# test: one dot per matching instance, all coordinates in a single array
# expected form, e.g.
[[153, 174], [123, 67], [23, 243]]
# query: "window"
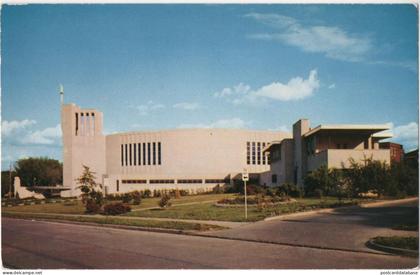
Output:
[[148, 153], [134, 181], [248, 153], [118, 186], [273, 178], [122, 155], [263, 155], [259, 153], [139, 153], [220, 181], [253, 153], [190, 181], [161, 181], [82, 121], [154, 153], [126, 155], [77, 123], [93, 124], [135, 154], [130, 156], [159, 154], [87, 125], [144, 153]]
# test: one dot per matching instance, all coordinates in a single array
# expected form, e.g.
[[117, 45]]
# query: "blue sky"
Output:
[[236, 66]]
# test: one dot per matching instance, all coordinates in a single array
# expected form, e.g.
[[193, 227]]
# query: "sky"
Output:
[[149, 67]]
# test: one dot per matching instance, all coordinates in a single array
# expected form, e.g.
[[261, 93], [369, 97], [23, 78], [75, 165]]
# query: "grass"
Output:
[[208, 211], [78, 208], [411, 243], [119, 221]]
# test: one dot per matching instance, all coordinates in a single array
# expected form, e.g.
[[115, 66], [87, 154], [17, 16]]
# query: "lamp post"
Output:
[[245, 178]]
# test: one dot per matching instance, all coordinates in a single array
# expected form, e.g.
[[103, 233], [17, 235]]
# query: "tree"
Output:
[[7, 182], [91, 197], [39, 171]]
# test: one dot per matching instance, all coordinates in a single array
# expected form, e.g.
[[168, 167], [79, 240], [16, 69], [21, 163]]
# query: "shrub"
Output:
[[92, 207], [165, 201], [157, 193], [218, 189], [116, 208], [136, 196], [147, 193], [126, 197], [177, 194], [184, 192]]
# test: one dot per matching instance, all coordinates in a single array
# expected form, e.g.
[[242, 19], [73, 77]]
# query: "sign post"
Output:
[[245, 178]]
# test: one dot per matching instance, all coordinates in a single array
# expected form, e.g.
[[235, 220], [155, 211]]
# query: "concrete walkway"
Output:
[[174, 204]]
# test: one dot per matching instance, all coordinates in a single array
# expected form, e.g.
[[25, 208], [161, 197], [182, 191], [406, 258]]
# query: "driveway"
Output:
[[341, 229]]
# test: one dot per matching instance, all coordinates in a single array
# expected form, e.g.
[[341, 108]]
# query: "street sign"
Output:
[[245, 178]]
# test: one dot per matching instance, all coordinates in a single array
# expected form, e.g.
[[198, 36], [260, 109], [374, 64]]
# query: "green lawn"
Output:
[[399, 242], [78, 208], [208, 211], [119, 221]]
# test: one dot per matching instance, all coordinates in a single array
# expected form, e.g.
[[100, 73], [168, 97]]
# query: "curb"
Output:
[[382, 203], [115, 226], [400, 251]]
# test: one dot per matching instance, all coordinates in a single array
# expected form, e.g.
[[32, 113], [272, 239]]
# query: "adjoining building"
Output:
[[396, 150], [330, 145], [199, 159]]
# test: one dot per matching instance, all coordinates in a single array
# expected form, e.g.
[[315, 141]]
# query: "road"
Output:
[[48, 245], [346, 228]]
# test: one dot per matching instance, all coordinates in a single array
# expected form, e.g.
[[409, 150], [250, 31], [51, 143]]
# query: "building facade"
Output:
[[396, 150], [199, 159], [329, 145], [191, 159]]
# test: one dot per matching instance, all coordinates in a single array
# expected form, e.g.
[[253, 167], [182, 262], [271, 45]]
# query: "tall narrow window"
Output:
[[77, 124], [248, 153], [263, 155], [159, 154], [87, 124], [135, 154], [118, 186], [82, 120], [148, 153], [126, 155], [154, 153], [122, 155], [130, 155], [253, 152], [144, 153], [258, 153], [139, 155], [93, 124]]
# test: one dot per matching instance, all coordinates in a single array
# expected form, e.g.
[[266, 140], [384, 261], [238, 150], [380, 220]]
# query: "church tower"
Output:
[[83, 144]]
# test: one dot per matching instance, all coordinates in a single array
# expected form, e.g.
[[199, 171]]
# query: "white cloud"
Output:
[[406, 135], [233, 123], [9, 127], [19, 133], [331, 41], [190, 106], [282, 128], [145, 109], [332, 86], [295, 89], [46, 136]]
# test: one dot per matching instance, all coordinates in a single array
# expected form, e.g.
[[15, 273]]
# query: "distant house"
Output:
[[396, 150]]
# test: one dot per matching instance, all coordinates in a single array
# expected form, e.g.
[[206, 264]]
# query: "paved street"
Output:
[[342, 228], [37, 244]]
